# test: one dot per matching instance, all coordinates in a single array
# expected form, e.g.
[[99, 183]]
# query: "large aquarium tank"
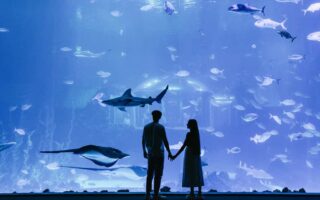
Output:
[[247, 71]]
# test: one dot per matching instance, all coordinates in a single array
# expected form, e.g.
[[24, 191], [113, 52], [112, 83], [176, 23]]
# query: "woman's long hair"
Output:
[[194, 136]]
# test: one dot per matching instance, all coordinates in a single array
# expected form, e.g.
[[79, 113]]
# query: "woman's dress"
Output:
[[192, 169]]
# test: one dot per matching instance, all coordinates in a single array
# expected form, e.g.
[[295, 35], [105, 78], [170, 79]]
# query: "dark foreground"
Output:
[[170, 196]]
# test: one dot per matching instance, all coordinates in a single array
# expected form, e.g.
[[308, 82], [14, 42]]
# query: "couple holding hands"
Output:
[[154, 140]]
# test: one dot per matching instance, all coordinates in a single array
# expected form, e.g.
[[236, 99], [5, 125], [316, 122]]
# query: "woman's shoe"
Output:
[[190, 197], [160, 197]]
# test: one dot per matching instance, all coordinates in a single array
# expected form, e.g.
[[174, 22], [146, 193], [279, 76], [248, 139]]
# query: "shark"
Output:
[[102, 156], [127, 100], [245, 8]]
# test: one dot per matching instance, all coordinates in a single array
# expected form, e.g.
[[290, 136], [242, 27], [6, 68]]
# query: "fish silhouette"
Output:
[[102, 156]]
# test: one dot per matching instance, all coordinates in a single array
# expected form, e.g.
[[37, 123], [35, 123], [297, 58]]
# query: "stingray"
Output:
[[131, 172], [102, 156], [6, 145]]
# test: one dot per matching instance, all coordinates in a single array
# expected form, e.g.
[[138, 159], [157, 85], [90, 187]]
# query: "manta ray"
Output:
[[6, 145], [102, 156]]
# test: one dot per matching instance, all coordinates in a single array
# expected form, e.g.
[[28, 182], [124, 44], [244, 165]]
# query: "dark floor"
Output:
[[170, 196]]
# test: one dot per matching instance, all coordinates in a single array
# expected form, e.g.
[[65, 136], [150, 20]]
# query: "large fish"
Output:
[[286, 35], [245, 8], [102, 156], [6, 145], [169, 8], [127, 100]]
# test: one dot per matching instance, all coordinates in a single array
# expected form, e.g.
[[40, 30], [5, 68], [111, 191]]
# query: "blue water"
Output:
[[57, 55]]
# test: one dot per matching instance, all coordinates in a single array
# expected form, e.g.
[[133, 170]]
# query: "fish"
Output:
[[189, 3], [169, 8], [269, 23], [147, 7], [266, 81], [183, 73], [3, 30], [202, 152], [282, 157], [255, 173], [218, 134], [68, 82], [287, 35], [121, 31], [127, 100], [298, 136], [171, 49], [309, 126], [312, 8], [7, 145], [289, 114], [53, 166], [315, 36], [116, 13], [261, 126], [294, 58], [315, 149], [288, 102], [103, 74], [86, 53], [299, 94], [173, 57], [176, 146], [250, 117], [297, 108], [309, 164], [102, 156], [233, 150], [23, 182], [217, 71], [209, 129], [239, 107], [19, 131], [308, 112], [13, 108], [185, 107], [65, 49], [123, 54], [222, 100], [289, 1], [25, 107], [275, 118], [245, 8], [263, 137], [132, 172]]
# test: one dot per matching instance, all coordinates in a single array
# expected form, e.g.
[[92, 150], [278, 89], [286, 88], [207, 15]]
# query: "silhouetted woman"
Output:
[[192, 170]]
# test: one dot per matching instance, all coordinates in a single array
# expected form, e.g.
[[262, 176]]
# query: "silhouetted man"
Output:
[[153, 139]]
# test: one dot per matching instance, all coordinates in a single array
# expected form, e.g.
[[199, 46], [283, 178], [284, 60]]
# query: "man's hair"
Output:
[[156, 115]]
